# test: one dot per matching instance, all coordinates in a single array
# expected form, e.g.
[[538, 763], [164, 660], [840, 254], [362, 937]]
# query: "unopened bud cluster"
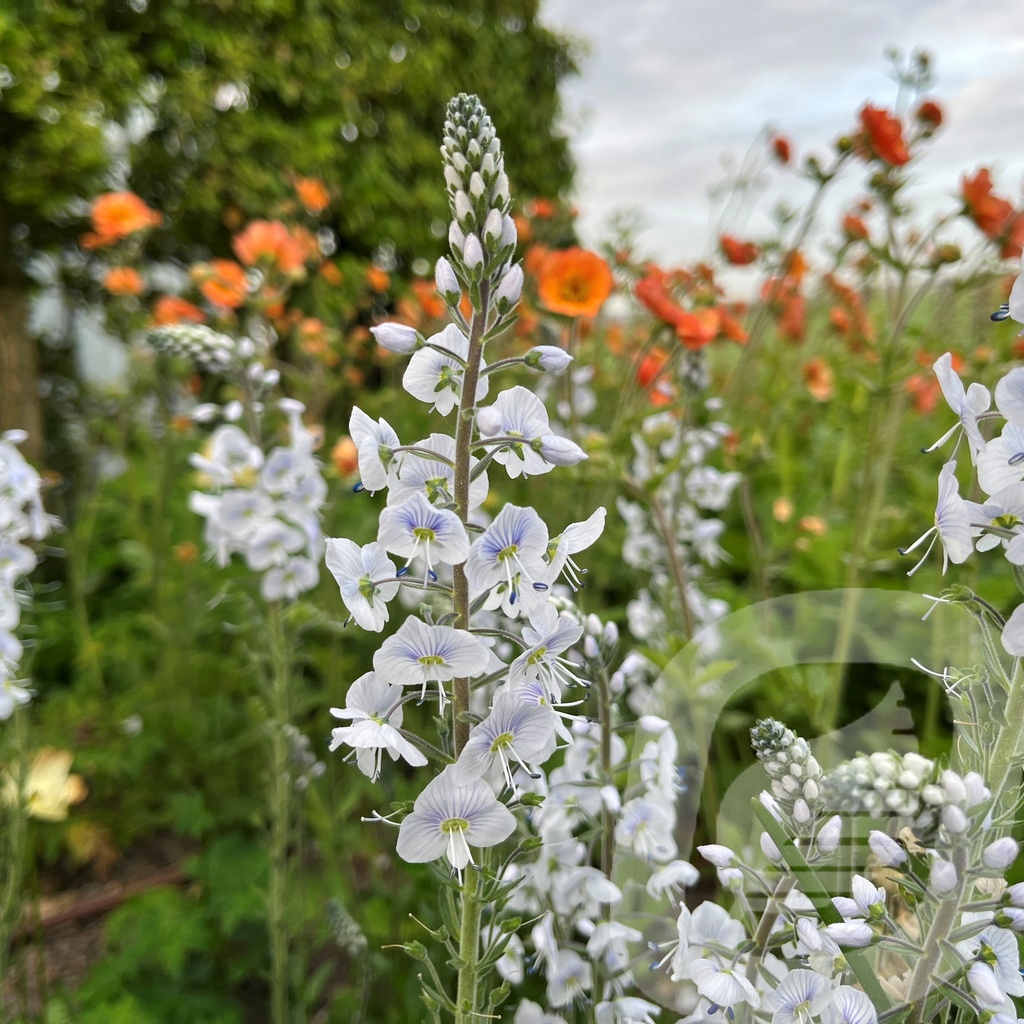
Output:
[[795, 773], [207, 348], [482, 234]]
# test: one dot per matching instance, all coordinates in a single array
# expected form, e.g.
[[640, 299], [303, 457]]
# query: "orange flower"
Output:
[[991, 213], [814, 525], [523, 230], [884, 135], [116, 215], [541, 209], [818, 378], [270, 242], [781, 148], [736, 252], [534, 258], [173, 309], [123, 281], [839, 319], [651, 290], [574, 282], [312, 194], [345, 457], [378, 280], [929, 113], [186, 552], [698, 328], [222, 282], [925, 391], [432, 304], [331, 274], [854, 228]]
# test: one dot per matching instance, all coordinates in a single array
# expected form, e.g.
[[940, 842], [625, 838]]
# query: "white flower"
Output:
[[886, 849], [985, 985], [671, 879], [574, 538], [358, 570], [802, 994], [1010, 396], [952, 524], [719, 856], [998, 947], [418, 529], [272, 543], [511, 549], [706, 932], [549, 358], [419, 654], [549, 635], [230, 459], [397, 338], [375, 444], [966, 404], [850, 1006], [569, 978], [870, 898], [609, 942], [513, 733], [724, 986], [435, 477], [12, 696], [528, 1012], [1001, 462], [436, 376], [517, 413], [850, 933], [645, 826], [1013, 633], [375, 707], [296, 576], [558, 450], [447, 819]]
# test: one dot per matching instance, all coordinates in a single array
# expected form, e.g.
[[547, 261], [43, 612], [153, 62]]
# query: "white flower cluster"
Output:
[[671, 463], [207, 348], [264, 506], [21, 518]]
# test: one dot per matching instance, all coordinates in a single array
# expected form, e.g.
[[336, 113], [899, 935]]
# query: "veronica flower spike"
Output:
[[447, 819], [952, 524], [515, 732], [418, 529], [419, 654], [513, 546], [968, 405], [375, 708], [363, 574]]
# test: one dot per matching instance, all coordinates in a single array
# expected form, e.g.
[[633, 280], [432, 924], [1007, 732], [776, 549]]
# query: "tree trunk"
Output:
[[19, 371]]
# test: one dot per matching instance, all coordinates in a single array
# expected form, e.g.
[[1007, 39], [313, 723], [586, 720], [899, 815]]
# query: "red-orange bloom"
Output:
[[990, 212], [332, 274], [542, 209], [269, 242], [929, 113], [854, 228], [736, 252], [819, 380], [574, 282], [781, 148], [312, 194], [884, 135], [123, 281], [173, 309], [432, 304], [378, 280], [222, 282], [116, 215], [925, 391]]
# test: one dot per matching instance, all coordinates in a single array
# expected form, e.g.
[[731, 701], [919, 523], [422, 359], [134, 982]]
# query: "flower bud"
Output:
[[559, 451], [232, 412], [509, 233], [886, 849], [855, 934], [1015, 895], [205, 413], [807, 932], [396, 337], [1000, 854], [590, 649], [611, 634], [954, 819], [456, 237], [463, 209], [452, 178], [954, 786], [499, 194], [509, 290], [476, 185], [549, 358], [829, 835], [985, 985], [943, 876], [652, 724], [473, 254], [446, 282], [489, 421], [719, 856], [769, 849], [271, 378], [801, 812], [611, 799], [492, 229]]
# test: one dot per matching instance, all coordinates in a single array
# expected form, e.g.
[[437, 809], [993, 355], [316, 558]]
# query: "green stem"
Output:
[[13, 843], [472, 906], [279, 808]]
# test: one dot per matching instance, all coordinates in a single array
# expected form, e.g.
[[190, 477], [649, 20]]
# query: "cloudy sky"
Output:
[[671, 86]]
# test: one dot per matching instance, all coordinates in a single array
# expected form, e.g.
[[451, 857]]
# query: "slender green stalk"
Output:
[[13, 842], [466, 1000], [279, 814]]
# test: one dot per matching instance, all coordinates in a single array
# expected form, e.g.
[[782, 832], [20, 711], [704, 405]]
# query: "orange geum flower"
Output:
[[345, 457], [331, 273], [990, 212], [541, 209], [884, 135], [737, 252], [116, 215], [378, 280], [929, 113], [222, 282], [123, 281], [173, 309], [781, 148], [854, 227], [312, 194], [269, 242], [574, 282], [819, 380]]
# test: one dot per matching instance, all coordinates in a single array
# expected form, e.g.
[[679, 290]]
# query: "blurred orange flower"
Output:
[[173, 309], [781, 148], [116, 215], [737, 252], [378, 280], [123, 281], [574, 282], [819, 380], [345, 457], [432, 304], [331, 274], [312, 194], [854, 228], [884, 135], [924, 390], [222, 282], [541, 209], [929, 113], [270, 242]]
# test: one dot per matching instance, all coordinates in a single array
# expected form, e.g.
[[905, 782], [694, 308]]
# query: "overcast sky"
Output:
[[670, 86]]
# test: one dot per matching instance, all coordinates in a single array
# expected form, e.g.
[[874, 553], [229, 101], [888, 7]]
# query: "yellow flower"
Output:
[[49, 789]]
